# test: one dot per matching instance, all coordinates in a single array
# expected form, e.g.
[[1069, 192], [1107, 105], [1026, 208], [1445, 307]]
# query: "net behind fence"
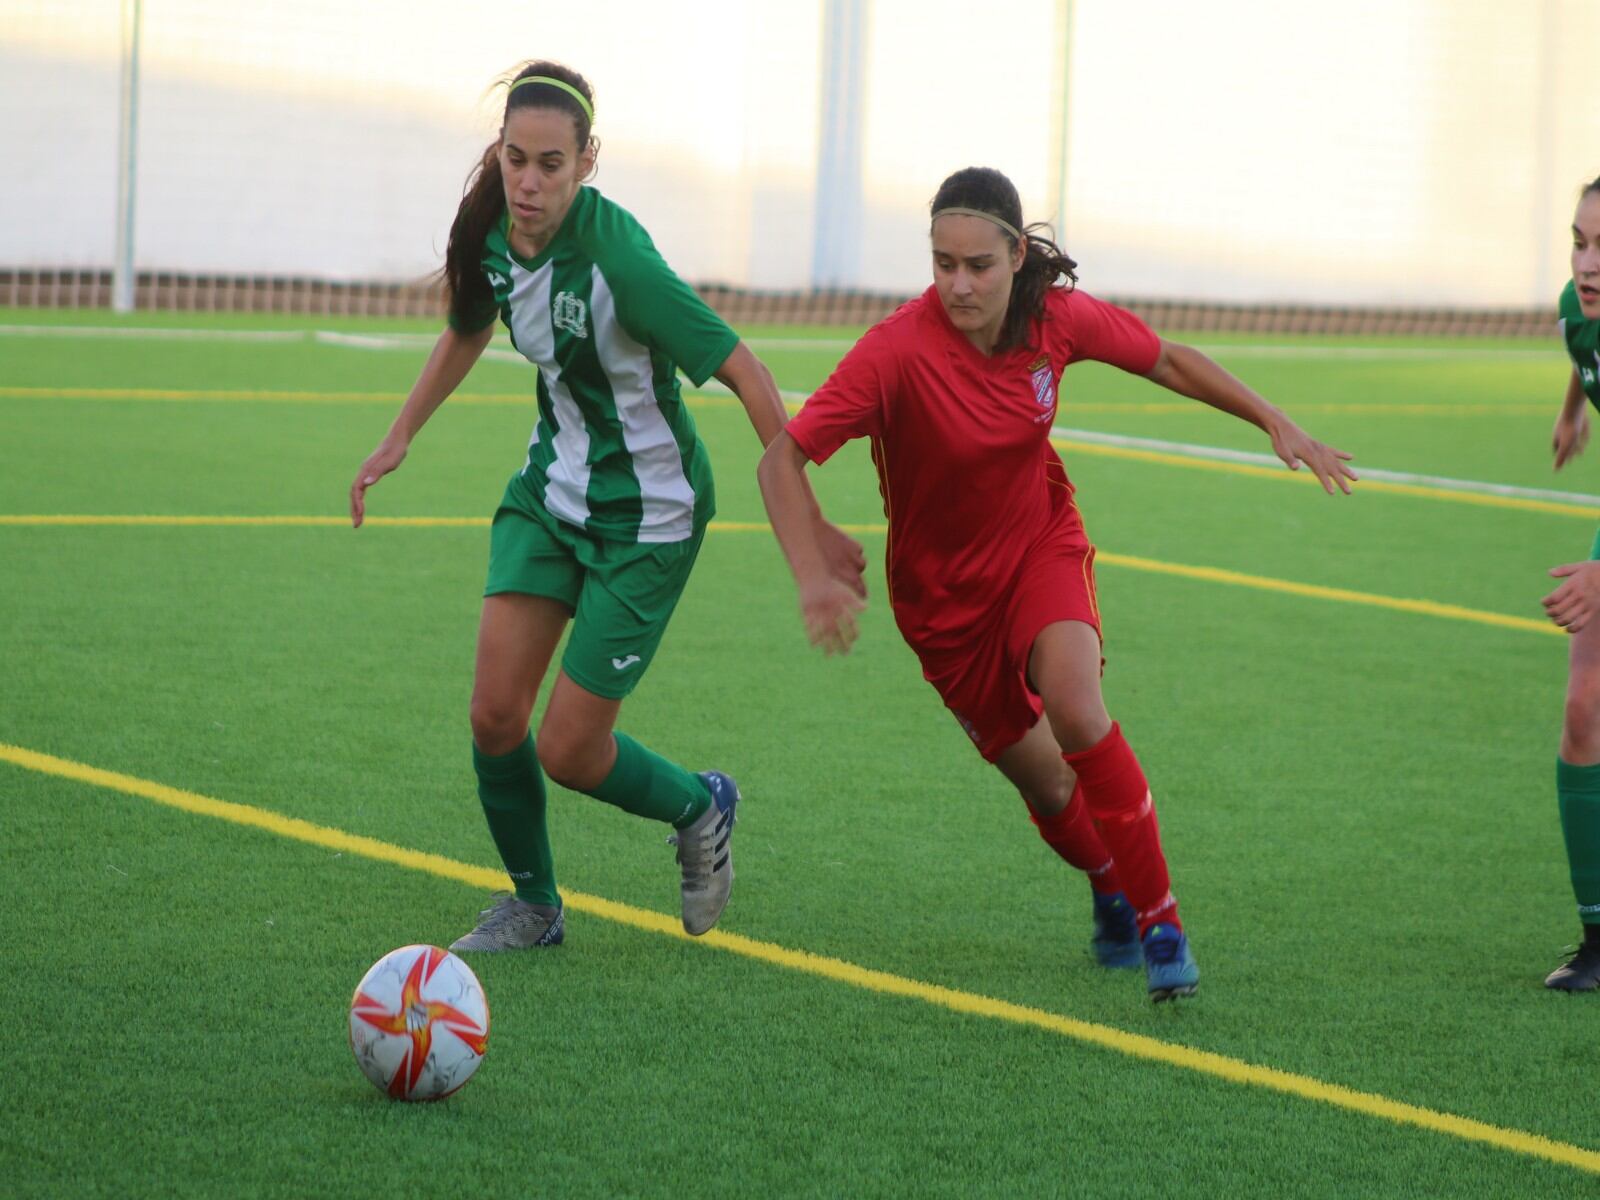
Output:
[[1406, 158], [172, 292]]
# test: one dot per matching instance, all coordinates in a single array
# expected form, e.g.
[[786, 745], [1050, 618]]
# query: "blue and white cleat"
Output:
[[1169, 966], [705, 853], [1116, 932]]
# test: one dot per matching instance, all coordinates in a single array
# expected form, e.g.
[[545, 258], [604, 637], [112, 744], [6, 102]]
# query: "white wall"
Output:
[[1377, 151]]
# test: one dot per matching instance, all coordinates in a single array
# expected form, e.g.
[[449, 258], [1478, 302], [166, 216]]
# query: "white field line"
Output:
[[155, 333], [1255, 349], [411, 341], [373, 341], [1219, 454]]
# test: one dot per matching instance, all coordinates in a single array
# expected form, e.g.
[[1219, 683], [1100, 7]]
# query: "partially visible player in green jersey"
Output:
[[603, 523], [1575, 605]]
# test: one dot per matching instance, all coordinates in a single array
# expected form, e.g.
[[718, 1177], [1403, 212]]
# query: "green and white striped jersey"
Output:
[[1582, 337], [609, 325]]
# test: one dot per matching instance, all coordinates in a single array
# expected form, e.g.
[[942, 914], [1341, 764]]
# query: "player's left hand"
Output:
[[847, 561], [1574, 604], [1295, 446], [1570, 436]]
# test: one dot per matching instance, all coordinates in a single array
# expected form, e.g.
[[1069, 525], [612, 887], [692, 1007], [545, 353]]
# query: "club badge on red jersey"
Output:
[[1044, 388]]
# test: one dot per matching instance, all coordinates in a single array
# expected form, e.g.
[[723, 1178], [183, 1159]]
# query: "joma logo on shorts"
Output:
[[570, 313]]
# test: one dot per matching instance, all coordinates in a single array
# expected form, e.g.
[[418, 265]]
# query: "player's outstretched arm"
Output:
[[828, 604], [1571, 433], [1185, 370], [454, 354], [748, 378]]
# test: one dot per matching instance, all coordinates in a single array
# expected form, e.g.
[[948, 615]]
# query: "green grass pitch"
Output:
[[1358, 805]]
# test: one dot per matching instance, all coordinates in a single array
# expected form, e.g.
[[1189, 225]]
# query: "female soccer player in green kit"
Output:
[[1575, 605], [603, 523]]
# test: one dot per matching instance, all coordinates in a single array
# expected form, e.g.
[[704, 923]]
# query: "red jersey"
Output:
[[969, 479]]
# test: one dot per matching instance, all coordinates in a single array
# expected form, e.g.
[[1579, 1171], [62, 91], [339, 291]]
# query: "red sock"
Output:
[[1118, 798], [1072, 835]]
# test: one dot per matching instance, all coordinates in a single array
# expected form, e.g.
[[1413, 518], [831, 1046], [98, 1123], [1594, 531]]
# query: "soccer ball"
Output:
[[419, 1023]]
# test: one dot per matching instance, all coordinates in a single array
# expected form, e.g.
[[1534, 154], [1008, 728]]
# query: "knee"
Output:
[[498, 726], [1078, 723], [1047, 802], [573, 760]]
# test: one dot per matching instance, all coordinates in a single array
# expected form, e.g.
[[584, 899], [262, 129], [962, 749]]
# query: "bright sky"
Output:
[[1372, 150]]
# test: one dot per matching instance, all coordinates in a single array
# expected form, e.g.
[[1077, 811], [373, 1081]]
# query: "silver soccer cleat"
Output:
[[513, 924], [706, 855]]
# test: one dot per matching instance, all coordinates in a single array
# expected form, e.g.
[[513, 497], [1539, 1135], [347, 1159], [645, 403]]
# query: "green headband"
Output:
[[978, 212], [583, 101]]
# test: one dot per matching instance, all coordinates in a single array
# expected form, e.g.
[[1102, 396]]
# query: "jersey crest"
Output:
[[1044, 388], [570, 313]]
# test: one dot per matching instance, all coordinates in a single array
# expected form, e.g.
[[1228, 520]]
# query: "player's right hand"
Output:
[[829, 607], [379, 463], [1570, 436], [1574, 604], [846, 560]]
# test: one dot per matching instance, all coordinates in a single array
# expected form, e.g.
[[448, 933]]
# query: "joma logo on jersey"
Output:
[[571, 314], [1044, 388], [498, 280]]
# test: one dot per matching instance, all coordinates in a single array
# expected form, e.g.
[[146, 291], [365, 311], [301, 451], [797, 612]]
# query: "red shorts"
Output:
[[984, 683]]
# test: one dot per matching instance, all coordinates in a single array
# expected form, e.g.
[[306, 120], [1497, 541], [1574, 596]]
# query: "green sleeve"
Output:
[[661, 311]]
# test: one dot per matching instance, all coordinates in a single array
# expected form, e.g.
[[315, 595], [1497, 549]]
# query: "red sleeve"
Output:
[[1103, 332], [852, 402]]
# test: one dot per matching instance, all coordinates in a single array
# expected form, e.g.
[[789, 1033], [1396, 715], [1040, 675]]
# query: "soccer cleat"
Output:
[[1580, 973], [514, 924], [1169, 966], [1116, 932], [706, 856]]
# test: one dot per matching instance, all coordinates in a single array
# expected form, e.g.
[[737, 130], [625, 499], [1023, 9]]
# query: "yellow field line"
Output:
[[1134, 1045], [1332, 408], [1265, 583], [313, 522], [713, 400], [321, 522], [1284, 475], [291, 396], [246, 395], [287, 396]]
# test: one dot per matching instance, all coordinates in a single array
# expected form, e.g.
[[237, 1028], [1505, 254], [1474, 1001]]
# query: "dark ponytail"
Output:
[[483, 202], [466, 287], [987, 190]]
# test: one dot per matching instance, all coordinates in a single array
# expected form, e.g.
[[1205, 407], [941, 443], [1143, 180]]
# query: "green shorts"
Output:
[[621, 593], [1594, 550]]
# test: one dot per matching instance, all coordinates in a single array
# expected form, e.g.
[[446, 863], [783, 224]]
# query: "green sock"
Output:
[[511, 790], [1578, 789], [647, 785]]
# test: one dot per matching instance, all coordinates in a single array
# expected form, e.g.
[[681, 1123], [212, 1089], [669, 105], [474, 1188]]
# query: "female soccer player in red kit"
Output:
[[990, 571]]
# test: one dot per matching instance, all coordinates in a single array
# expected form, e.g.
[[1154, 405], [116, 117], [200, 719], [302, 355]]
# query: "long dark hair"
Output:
[[484, 199], [987, 190]]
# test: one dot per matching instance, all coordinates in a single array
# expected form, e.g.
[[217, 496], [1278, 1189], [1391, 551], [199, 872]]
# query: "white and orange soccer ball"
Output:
[[419, 1023]]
